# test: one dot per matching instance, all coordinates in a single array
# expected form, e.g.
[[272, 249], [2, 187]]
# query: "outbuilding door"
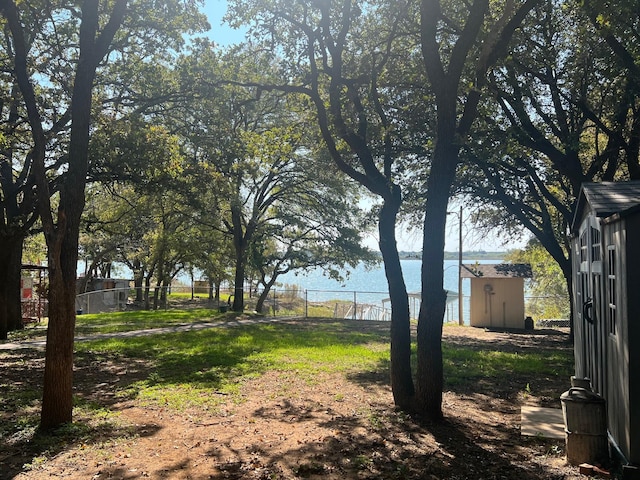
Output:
[[590, 312]]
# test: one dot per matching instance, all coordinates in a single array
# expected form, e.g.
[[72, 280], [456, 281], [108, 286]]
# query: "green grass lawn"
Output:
[[143, 319], [113, 322], [464, 365], [183, 368], [199, 368]]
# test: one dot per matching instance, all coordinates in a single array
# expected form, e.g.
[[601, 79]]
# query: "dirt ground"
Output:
[[339, 427]]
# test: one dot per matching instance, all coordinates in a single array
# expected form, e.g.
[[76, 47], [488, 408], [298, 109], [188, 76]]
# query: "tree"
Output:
[[215, 258], [341, 56], [547, 287], [62, 235], [256, 161], [456, 52], [17, 198], [340, 53], [619, 31], [83, 37], [321, 228], [139, 209], [564, 116]]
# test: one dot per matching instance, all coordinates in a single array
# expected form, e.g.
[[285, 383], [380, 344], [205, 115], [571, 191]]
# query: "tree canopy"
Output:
[[253, 160]]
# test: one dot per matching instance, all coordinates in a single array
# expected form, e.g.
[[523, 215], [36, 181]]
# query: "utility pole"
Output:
[[460, 297]]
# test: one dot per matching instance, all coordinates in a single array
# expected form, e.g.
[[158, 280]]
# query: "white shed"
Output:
[[497, 294]]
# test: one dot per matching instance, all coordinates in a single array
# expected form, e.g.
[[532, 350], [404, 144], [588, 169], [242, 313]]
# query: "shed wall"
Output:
[[617, 368], [500, 307], [604, 347], [632, 344]]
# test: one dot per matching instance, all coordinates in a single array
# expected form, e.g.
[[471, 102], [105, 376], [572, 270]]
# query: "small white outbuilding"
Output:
[[497, 294]]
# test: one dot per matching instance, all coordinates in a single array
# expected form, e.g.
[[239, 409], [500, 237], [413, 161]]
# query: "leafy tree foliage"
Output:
[[341, 57], [54, 51], [140, 217], [548, 289], [257, 159], [566, 114]]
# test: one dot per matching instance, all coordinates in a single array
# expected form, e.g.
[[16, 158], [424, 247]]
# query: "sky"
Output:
[[408, 239], [221, 33]]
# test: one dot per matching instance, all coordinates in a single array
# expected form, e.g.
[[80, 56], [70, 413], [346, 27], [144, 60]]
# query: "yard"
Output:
[[289, 399]]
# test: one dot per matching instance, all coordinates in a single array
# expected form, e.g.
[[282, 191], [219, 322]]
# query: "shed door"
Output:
[[591, 305]]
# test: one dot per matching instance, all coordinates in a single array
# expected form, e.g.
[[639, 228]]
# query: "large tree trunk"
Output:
[[57, 395], [430, 375], [400, 372], [10, 274], [62, 232]]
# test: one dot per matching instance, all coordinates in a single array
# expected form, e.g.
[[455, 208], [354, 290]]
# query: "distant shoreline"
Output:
[[473, 255]]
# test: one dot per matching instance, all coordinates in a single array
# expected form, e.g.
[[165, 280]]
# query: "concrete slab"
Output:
[[544, 422]]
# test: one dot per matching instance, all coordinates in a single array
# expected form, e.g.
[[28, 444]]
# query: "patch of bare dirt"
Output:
[[335, 427]]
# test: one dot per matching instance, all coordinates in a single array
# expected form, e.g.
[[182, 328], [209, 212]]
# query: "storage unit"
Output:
[[497, 294], [605, 252]]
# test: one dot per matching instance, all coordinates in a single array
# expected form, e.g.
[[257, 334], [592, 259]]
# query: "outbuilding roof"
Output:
[[496, 270], [606, 199]]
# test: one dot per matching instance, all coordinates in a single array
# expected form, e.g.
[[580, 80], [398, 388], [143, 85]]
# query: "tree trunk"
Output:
[[430, 375], [147, 292], [216, 295], [164, 291], [62, 233], [138, 279], [400, 372], [263, 298], [57, 395], [238, 291], [240, 243], [265, 292], [156, 295], [10, 275]]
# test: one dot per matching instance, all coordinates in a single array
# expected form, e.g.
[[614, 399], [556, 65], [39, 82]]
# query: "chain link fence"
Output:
[[292, 302]]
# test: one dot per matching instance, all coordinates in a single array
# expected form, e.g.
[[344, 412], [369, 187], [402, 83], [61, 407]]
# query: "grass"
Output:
[[466, 365], [113, 322], [184, 368], [200, 369], [143, 319]]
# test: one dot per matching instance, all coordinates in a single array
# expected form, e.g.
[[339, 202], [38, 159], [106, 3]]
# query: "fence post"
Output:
[[306, 303], [355, 305], [274, 302]]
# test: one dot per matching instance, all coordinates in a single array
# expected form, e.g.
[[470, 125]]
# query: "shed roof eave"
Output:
[[605, 199], [496, 270]]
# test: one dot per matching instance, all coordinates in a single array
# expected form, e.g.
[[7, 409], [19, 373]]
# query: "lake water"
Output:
[[370, 286], [370, 280]]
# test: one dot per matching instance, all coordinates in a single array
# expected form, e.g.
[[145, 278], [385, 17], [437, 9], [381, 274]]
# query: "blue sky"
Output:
[[221, 33]]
